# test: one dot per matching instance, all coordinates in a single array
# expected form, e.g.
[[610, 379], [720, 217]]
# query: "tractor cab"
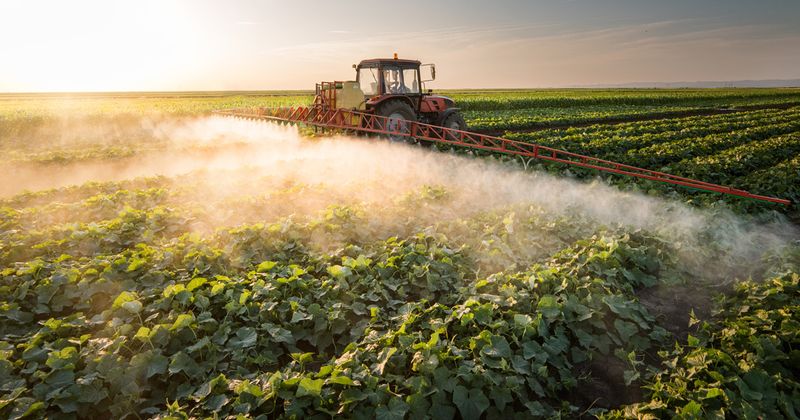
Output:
[[378, 77], [392, 88], [395, 88]]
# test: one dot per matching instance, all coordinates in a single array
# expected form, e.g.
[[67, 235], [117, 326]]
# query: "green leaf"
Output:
[[217, 288], [157, 365], [625, 329], [523, 320], [714, 393], [383, 358], [26, 407], [198, 345], [618, 305], [396, 410], [501, 397], [181, 362], [216, 402], [692, 410], [304, 357], [629, 376], [308, 386], [142, 334], [548, 306], [133, 306], [442, 411], [244, 296], [265, 266], [537, 409], [208, 387], [471, 404], [280, 335], [342, 380], [173, 289], [183, 321], [298, 316], [339, 272], [135, 263], [195, 283], [532, 349], [498, 348], [693, 320], [64, 358], [122, 298], [245, 337]]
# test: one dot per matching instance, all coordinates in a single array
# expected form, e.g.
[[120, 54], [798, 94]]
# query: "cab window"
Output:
[[368, 80], [400, 81], [392, 80], [410, 81]]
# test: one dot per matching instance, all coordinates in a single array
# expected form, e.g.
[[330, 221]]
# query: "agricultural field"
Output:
[[157, 261]]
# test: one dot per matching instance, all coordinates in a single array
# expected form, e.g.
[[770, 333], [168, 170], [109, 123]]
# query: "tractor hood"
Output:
[[449, 102], [436, 103]]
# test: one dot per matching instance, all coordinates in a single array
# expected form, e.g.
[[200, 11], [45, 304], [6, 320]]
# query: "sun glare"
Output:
[[96, 45]]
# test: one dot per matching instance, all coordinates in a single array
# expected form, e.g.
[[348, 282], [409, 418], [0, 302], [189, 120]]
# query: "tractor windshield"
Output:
[[368, 80], [400, 81]]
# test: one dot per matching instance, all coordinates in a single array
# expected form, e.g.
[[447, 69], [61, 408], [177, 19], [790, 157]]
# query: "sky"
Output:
[[145, 45]]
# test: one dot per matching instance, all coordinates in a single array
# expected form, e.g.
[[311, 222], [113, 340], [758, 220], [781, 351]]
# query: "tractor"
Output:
[[392, 88]]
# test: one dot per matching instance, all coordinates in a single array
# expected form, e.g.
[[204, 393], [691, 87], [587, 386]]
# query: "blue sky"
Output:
[[250, 44]]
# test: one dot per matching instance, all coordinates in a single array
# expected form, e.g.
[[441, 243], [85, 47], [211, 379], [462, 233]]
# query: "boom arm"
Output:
[[344, 119]]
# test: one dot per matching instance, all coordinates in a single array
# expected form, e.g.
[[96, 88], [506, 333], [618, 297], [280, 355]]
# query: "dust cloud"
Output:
[[233, 157]]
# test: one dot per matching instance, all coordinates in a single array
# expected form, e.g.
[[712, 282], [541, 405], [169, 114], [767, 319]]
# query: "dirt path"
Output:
[[648, 117]]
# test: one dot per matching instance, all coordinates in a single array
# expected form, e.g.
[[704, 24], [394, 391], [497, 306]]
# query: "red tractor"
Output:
[[393, 88]]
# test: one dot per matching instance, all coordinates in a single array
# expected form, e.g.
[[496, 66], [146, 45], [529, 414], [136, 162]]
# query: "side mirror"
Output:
[[354, 66], [427, 72]]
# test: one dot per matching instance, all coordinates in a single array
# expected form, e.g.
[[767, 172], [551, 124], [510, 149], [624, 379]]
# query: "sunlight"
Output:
[[100, 45]]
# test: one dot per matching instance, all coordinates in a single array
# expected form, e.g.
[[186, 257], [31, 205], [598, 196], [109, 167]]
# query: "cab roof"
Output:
[[388, 61]]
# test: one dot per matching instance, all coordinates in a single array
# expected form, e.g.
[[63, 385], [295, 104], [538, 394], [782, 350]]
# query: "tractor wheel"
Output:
[[399, 114], [455, 121]]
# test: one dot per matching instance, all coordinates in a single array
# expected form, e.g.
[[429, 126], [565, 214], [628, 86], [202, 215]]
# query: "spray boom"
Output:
[[364, 123]]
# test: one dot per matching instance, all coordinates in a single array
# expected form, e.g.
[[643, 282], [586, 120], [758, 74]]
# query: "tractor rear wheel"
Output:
[[399, 116]]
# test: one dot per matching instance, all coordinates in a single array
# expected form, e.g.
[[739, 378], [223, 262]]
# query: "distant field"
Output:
[[159, 262], [13, 104]]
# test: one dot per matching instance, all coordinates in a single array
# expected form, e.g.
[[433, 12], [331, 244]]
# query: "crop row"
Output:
[[782, 179], [738, 161], [737, 149], [676, 126], [663, 153], [660, 148], [520, 119], [686, 98]]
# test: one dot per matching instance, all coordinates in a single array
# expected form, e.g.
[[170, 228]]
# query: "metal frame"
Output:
[[325, 116]]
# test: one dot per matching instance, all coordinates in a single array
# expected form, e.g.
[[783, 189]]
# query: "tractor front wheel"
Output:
[[455, 121], [398, 115]]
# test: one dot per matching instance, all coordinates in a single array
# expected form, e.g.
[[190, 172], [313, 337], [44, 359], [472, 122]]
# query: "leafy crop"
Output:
[[163, 298], [744, 364]]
